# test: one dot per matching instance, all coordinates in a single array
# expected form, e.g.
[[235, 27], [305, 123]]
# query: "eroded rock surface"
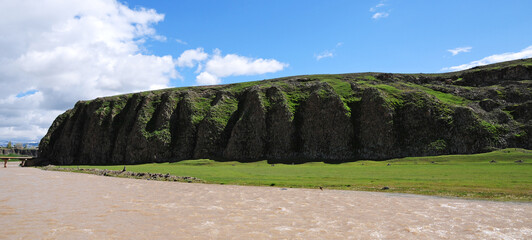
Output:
[[332, 118]]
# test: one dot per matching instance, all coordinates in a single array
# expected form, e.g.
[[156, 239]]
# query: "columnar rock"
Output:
[[247, 139], [182, 127], [332, 118], [376, 135], [214, 130], [279, 126], [325, 129]]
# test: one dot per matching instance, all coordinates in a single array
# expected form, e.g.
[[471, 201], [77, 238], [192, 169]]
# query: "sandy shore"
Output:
[[36, 204]]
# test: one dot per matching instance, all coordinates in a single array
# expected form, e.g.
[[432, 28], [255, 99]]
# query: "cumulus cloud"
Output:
[[213, 67], [55, 53], [525, 53], [191, 57], [235, 65], [206, 78], [458, 50]]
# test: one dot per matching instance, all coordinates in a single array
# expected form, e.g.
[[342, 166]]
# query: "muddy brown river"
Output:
[[36, 204]]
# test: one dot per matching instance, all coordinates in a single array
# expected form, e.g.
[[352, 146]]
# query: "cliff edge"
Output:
[[331, 118]]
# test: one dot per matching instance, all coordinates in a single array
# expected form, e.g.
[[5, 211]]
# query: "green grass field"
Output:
[[467, 176], [12, 155]]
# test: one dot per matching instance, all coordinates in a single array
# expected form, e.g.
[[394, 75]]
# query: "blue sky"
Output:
[[55, 53], [414, 37]]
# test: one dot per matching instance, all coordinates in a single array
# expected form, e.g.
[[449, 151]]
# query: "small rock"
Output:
[[389, 164], [493, 161], [519, 161], [385, 188], [284, 189]]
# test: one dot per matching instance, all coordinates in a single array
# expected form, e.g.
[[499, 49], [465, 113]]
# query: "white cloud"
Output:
[[324, 54], [380, 11], [235, 65], [206, 78], [459, 50], [328, 53], [212, 68], [525, 53], [65, 51], [191, 57], [159, 38], [380, 15], [181, 41], [72, 50], [23, 134], [373, 9]]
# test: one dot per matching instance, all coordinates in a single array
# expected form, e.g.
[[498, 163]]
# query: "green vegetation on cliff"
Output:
[[333, 118]]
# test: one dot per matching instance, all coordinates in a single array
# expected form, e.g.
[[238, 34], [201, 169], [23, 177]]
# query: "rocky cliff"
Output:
[[332, 118]]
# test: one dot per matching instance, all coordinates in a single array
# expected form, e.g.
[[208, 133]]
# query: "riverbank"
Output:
[[504, 175], [125, 174]]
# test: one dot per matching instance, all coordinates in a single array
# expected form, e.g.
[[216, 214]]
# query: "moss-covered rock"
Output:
[[332, 118]]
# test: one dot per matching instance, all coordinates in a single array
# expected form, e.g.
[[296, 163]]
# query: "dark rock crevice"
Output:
[[183, 131], [376, 136], [214, 130], [247, 135], [280, 129]]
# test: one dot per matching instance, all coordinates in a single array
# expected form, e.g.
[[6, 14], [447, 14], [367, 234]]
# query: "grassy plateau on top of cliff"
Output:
[[445, 87], [363, 77]]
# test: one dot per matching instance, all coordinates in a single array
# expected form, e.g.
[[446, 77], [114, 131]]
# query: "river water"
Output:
[[36, 204]]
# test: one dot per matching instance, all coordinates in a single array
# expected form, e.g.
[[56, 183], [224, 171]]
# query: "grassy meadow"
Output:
[[498, 175], [12, 155]]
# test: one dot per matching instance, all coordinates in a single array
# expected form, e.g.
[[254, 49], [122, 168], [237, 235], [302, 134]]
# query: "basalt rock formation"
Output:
[[331, 118]]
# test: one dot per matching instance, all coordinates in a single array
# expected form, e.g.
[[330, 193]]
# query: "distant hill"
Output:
[[332, 118]]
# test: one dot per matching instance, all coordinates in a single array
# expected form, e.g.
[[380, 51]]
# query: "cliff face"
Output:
[[332, 118]]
